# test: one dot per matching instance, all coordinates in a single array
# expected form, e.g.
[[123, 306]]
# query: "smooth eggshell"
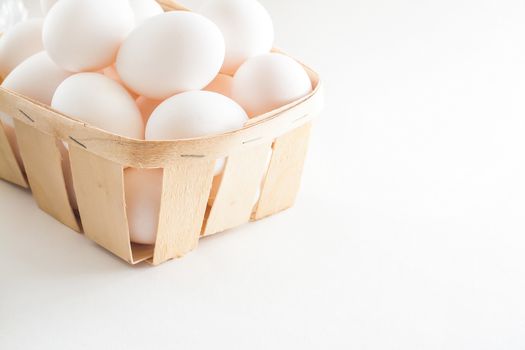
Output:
[[222, 84], [144, 9], [269, 81], [112, 73], [195, 114], [101, 102], [46, 5], [85, 35], [171, 53], [19, 43], [247, 28], [143, 191], [37, 78], [146, 107]]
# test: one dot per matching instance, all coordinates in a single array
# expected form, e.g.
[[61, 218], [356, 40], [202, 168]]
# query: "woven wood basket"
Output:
[[98, 160]]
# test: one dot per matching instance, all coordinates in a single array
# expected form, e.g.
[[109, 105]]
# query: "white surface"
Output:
[[408, 233]]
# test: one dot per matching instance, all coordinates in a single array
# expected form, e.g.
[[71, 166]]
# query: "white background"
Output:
[[409, 231]]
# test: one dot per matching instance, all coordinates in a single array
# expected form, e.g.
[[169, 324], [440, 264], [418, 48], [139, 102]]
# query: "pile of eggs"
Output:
[[128, 67]]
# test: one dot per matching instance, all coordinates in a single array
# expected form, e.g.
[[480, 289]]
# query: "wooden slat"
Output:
[[43, 165], [99, 185], [240, 184], [186, 187], [283, 180], [9, 168], [170, 5]]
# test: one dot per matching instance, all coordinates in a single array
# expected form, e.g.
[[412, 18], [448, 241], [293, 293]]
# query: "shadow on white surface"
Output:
[[36, 242]]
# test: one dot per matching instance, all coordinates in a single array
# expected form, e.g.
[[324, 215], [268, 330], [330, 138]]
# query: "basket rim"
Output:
[[155, 154]]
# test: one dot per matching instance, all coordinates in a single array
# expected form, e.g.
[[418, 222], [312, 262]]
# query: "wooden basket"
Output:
[[98, 160]]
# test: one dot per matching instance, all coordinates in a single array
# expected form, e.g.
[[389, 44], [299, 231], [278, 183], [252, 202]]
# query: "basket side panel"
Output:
[[99, 185], [239, 187], [283, 180], [9, 168], [43, 164], [186, 188]]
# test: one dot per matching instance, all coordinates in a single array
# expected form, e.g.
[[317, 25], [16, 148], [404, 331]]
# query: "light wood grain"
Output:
[[99, 185], [283, 180], [238, 189], [186, 188], [43, 164], [9, 168]]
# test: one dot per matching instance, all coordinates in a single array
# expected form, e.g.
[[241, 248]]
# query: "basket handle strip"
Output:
[[159, 154]]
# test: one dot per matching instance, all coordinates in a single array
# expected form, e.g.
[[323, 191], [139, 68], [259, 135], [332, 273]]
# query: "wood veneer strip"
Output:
[[283, 180], [99, 186], [185, 192]]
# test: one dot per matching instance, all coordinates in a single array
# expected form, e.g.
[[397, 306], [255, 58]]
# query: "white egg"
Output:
[[19, 43], [171, 53], [269, 81], [101, 102], [194, 114], [85, 35], [143, 191], [37, 78], [147, 106], [144, 9], [46, 5], [112, 73], [247, 28], [222, 84]]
